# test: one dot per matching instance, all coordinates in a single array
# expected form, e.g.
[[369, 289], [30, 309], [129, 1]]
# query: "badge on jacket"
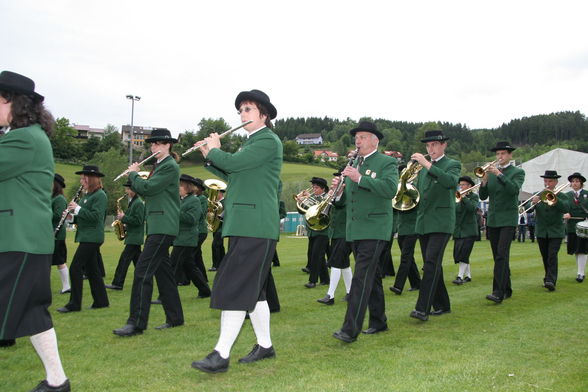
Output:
[[373, 174]]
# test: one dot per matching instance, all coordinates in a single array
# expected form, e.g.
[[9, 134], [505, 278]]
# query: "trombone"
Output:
[[480, 171], [460, 194], [304, 200], [546, 196]]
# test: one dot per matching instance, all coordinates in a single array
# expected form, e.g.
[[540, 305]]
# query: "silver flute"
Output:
[[197, 146], [140, 164]]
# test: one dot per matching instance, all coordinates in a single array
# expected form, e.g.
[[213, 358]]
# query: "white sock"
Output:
[[260, 320], [335, 276], [45, 343], [347, 277], [468, 271], [462, 269], [231, 322], [64, 275], [581, 260]]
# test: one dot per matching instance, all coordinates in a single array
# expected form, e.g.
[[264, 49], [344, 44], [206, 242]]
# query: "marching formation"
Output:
[[366, 204]]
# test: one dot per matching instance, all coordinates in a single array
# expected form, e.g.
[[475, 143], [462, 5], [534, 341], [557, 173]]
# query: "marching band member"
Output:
[[202, 226], [501, 185], [134, 221], [89, 216], [27, 241], [435, 222], [252, 224], [370, 185], [578, 198], [318, 240], [162, 208], [466, 230], [218, 245], [58, 205]]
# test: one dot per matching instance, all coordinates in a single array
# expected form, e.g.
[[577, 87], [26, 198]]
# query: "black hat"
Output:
[[128, 184], [16, 83], [188, 178], [467, 179], [503, 146], [366, 126], [257, 96], [578, 176], [199, 183], [320, 182], [59, 179], [91, 170], [550, 174], [161, 135], [434, 136]]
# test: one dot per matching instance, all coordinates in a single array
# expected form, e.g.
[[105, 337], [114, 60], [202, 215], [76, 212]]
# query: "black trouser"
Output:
[[276, 259], [366, 288], [129, 253], [433, 292], [500, 239], [407, 266], [154, 261], [462, 249], [318, 265], [183, 257], [271, 293], [218, 248], [531, 232], [86, 259], [198, 255], [386, 259], [522, 231], [549, 248]]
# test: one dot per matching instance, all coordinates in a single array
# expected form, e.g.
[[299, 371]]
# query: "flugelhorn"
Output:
[[407, 195], [460, 194], [225, 133], [140, 164], [481, 170]]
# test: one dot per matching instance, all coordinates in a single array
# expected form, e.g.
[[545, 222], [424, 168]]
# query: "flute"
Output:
[[140, 164], [197, 146]]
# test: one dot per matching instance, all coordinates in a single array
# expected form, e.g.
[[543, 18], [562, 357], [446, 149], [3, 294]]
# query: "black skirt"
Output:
[[462, 249], [240, 280], [60, 253], [340, 251], [25, 294], [577, 244]]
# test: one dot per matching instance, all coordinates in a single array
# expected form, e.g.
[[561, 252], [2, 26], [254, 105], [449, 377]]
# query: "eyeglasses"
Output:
[[246, 109]]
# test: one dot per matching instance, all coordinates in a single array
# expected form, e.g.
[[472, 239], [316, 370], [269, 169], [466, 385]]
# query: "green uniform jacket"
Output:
[[549, 219], [26, 181], [162, 197], [466, 218], [90, 218], [134, 220], [436, 213], [369, 202], [190, 213], [252, 174], [407, 221], [316, 233], [576, 210], [202, 225], [338, 225], [503, 192], [58, 205]]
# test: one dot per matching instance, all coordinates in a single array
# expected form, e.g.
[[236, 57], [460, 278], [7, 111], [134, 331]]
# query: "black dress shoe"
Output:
[[419, 315], [113, 287], [494, 298], [213, 363], [439, 312], [371, 331], [580, 278], [306, 270], [458, 281], [346, 298], [168, 325], [344, 337], [156, 302], [45, 387], [326, 300], [128, 330], [258, 353], [65, 309], [413, 289], [325, 283], [7, 342], [549, 286], [310, 285], [467, 279], [65, 291], [203, 295], [395, 290]]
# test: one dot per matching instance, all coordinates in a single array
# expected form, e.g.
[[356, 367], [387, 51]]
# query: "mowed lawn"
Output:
[[535, 341]]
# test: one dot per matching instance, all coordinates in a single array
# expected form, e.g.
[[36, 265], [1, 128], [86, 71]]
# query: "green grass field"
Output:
[[535, 341]]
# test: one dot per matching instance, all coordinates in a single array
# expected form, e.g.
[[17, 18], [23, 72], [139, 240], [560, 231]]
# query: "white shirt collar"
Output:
[[438, 159], [251, 134], [370, 154]]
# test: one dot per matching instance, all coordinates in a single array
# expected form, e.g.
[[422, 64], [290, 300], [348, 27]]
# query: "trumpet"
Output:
[[225, 133], [460, 194], [140, 164], [546, 196], [481, 170], [407, 195]]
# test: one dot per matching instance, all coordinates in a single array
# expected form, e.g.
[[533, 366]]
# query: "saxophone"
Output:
[[119, 228]]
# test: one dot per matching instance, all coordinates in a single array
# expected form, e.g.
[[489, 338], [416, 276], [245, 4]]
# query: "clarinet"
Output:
[[66, 211]]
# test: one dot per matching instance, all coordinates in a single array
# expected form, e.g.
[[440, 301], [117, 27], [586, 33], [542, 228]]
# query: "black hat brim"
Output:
[[379, 134], [60, 182], [509, 149], [90, 173], [435, 139], [251, 96], [578, 176], [15, 89], [552, 177], [161, 139], [466, 179]]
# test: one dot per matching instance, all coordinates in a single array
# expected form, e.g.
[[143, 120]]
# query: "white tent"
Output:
[[564, 161]]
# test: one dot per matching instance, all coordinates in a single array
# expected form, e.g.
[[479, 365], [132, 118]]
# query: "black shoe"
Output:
[[395, 290], [276, 264], [168, 325], [325, 283], [458, 281], [371, 331], [258, 353], [65, 291], [549, 286], [183, 283], [7, 342], [413, 289], [156, 302], [212, 269], [98, 307], [342, 336], [494, 298], [306, 270], [326, 300], [419, 315], [346, 298], [580, 278], [439, 312], [467, 279], [65, 309], [310, 285], [213, 363], [128, 330], [203, 295], [45, 387], [113, 287]]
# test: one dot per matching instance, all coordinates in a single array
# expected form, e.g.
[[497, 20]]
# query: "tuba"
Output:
[[215, 207], [407, 195], [119, 228]]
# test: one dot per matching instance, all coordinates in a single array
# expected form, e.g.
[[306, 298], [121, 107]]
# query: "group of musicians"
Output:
[[170, 207]]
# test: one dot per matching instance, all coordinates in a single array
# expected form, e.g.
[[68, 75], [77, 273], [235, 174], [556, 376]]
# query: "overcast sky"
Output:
[[472, 62]]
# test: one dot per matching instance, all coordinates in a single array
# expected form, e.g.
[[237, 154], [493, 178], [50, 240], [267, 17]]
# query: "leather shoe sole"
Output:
[[342, 336], [440, 312], [493, 298], [419, 315], [371, 331], [213, 363], [395, 290]]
